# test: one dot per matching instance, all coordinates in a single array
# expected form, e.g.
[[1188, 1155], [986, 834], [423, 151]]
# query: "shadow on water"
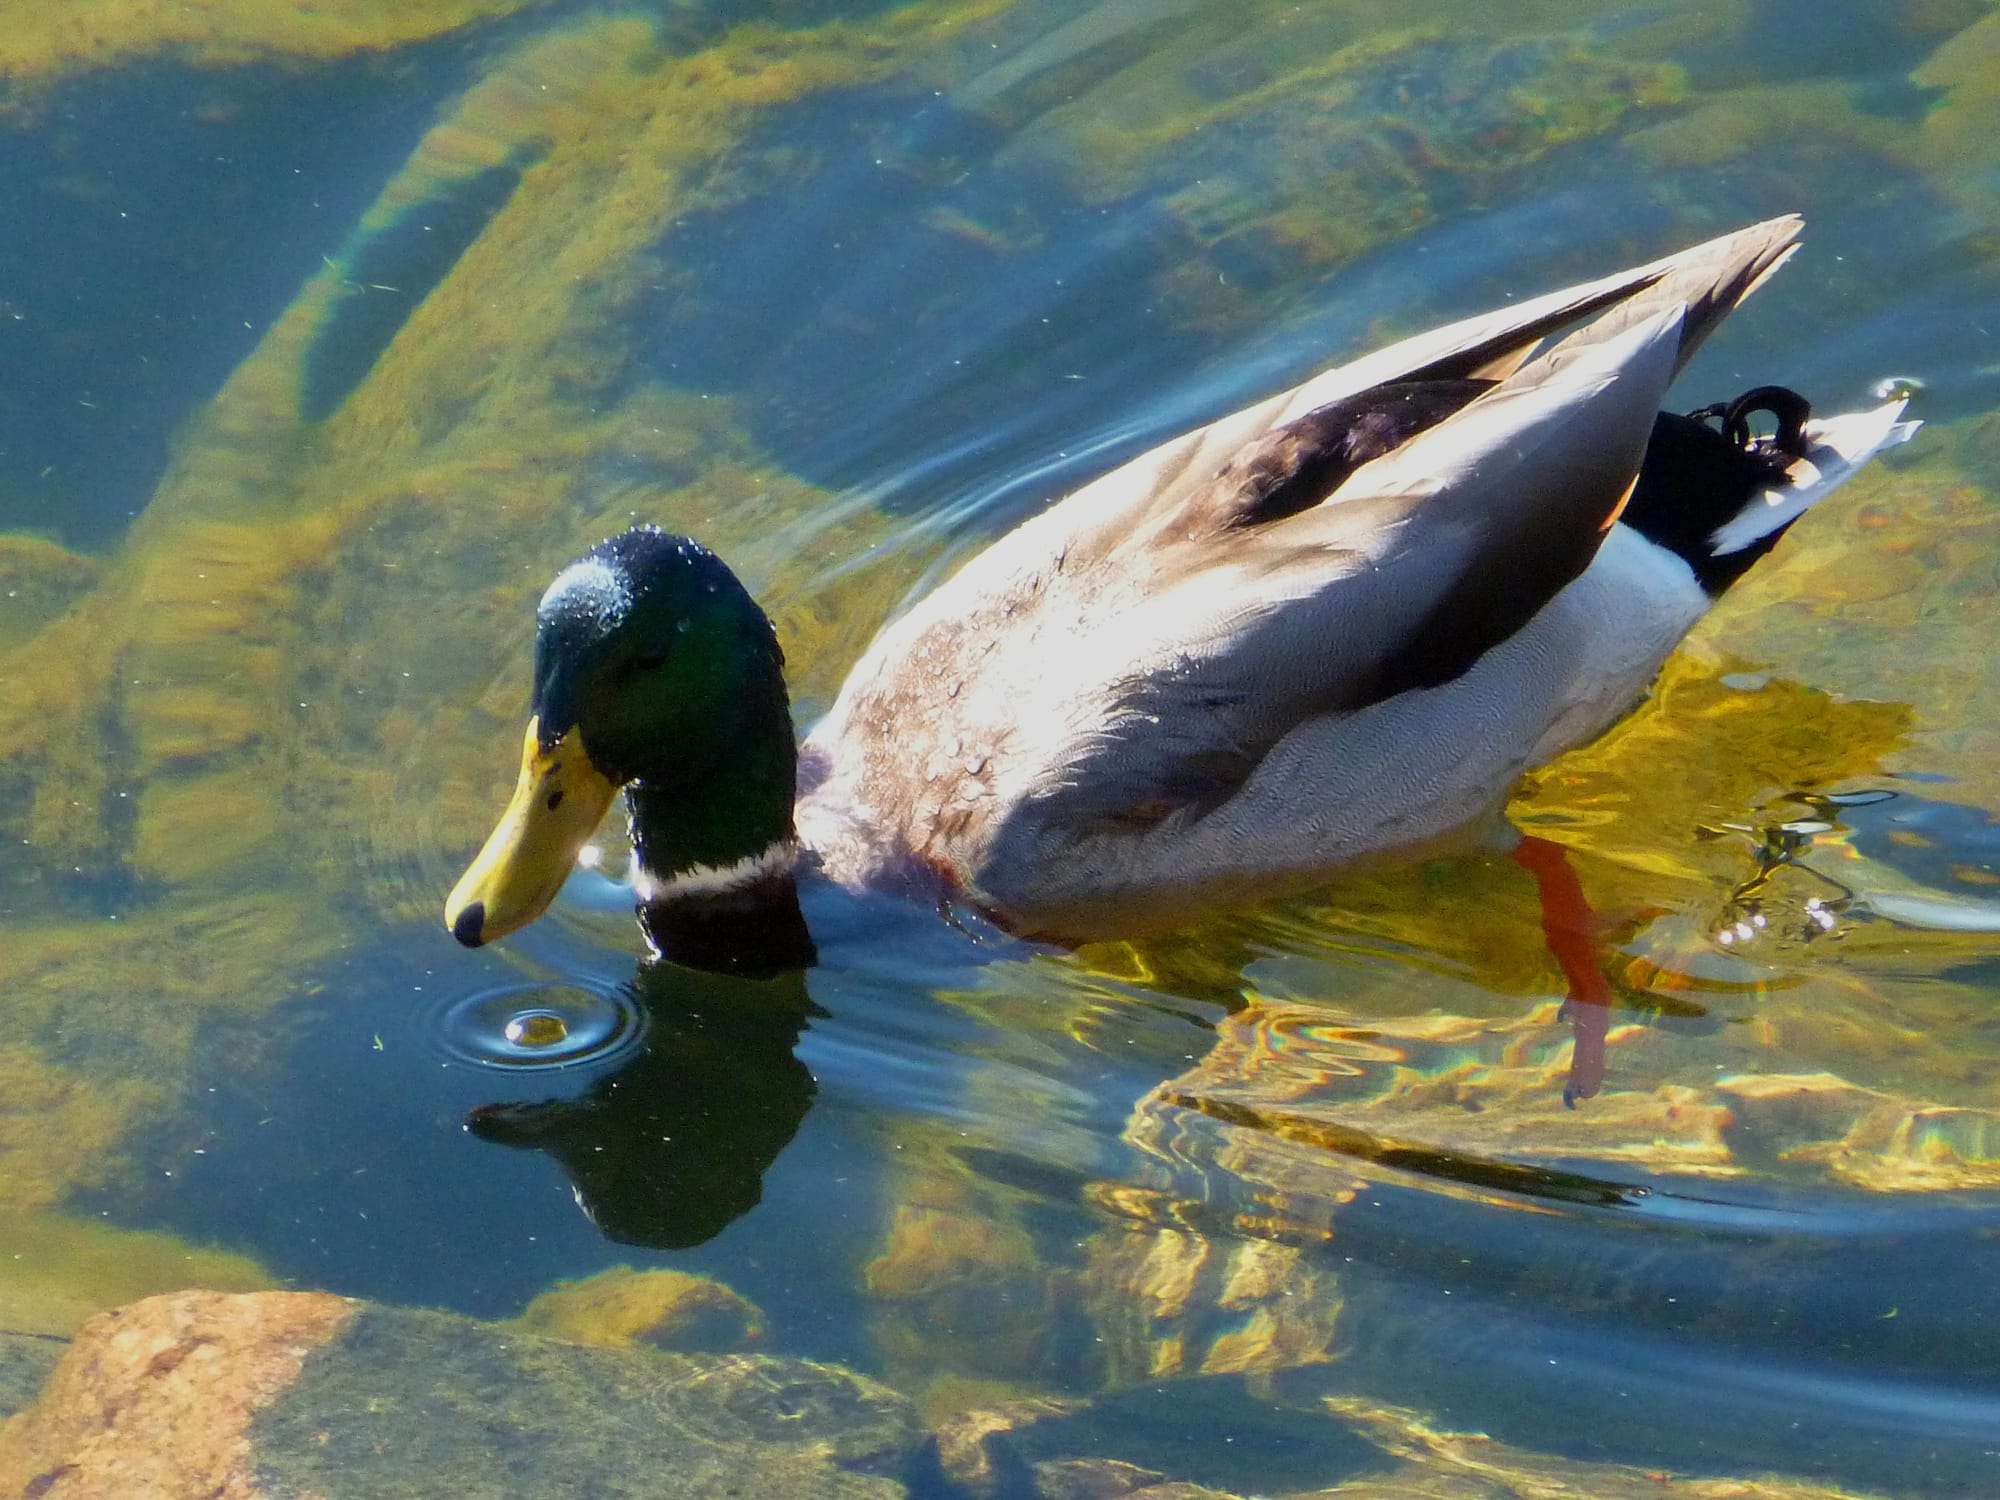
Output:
[[183, 207], [392, 270], [670, 1147], [960, 291]]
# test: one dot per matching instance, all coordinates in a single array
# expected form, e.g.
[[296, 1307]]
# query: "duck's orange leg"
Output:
[[1571, 929]]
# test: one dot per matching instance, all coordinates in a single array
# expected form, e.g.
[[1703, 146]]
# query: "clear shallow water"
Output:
[[847, 298]]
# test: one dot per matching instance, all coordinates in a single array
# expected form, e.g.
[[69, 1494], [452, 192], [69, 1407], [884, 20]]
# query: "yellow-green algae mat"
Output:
[[50, 40], [272, 706]]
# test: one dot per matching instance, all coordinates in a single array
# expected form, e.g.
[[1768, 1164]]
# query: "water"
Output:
[[319, 365]]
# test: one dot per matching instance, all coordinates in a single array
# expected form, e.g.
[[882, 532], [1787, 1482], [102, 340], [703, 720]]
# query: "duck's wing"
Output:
[[1400, 572], [1704, 282], [1422, 558]]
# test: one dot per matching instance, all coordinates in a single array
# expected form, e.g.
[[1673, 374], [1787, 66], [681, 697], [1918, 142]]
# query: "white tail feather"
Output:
[[1836, 448]]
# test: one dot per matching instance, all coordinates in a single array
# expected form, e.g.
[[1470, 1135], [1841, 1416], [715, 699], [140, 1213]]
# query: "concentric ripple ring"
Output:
[[532, 1026]]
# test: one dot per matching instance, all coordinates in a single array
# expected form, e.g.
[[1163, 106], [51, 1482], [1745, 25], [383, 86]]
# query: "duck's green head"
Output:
[[654, 668]]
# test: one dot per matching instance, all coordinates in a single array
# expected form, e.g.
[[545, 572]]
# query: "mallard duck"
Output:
[[1327, 630]]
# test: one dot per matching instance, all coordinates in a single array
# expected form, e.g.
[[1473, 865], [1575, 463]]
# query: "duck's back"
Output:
[[1329, 628]]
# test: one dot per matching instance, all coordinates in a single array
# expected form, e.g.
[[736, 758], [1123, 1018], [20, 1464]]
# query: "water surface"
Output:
[[324, 352]]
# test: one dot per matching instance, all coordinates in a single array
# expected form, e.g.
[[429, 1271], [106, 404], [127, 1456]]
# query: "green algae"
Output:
[[663, 1308], [1382, 134], [55, 1270], [106, 1015], [48, 40], [404, 1402], [1434, 1460], [246, 694]]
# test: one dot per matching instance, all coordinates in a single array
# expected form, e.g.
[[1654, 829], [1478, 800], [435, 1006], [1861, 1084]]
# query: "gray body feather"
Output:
[[1166, 690]]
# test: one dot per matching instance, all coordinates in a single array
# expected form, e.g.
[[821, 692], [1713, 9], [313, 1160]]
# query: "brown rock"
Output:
[[156, 1399]]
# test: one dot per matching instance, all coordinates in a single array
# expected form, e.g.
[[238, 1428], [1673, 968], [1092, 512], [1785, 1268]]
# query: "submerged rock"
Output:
[[281, 1394], [1111, 1479], [978, 1449], [25, 1361], [664, 1308], [1435, 1461], [288, 1395]]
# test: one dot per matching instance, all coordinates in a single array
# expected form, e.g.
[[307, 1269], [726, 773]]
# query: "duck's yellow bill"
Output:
[[558, 803]]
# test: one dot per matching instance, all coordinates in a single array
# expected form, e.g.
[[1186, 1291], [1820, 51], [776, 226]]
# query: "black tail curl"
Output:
[[1698, 477], [1791, 410]]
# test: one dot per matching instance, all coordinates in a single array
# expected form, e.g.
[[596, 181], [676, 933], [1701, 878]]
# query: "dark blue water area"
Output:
[[1833, 1336], [1796, 40], [159, 218], [344, 1158], [902, 304], [1719, 1328]]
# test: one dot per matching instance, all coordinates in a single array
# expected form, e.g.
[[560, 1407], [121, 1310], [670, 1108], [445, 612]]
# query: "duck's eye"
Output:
[[648, 657]]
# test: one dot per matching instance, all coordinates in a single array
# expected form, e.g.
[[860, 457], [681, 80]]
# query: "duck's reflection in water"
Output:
[[671, 1148]]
